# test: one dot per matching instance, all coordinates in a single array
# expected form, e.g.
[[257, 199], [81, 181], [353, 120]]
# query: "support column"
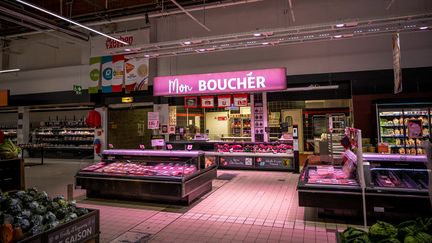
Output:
[[102, 132], [23, 126]]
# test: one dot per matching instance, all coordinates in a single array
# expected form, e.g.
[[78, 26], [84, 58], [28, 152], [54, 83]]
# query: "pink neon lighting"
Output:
[[217, 83]]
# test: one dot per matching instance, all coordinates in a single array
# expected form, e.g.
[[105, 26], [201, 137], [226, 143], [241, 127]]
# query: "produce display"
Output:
[[8, 150], [413, 231], [141, 169], [393, 127], [329, 175], [413, 179], [27, 213], [254, 148]]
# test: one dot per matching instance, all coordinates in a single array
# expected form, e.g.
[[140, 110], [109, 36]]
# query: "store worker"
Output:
[[427, 145]]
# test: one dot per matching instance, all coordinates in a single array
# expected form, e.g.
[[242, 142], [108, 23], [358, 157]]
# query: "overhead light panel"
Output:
[[72, 22], [423, 28], [10, 70]]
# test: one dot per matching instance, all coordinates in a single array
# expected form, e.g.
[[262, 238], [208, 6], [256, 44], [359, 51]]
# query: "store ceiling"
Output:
[[16, 18]]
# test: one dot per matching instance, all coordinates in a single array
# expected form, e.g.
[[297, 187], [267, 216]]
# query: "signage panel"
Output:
[[259, 80]]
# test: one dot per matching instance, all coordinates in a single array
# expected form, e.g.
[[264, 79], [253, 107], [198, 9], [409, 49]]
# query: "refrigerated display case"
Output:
[[393, 183], [393, 120], [178, 176], [260, 156], [397, 182], [325, 185]]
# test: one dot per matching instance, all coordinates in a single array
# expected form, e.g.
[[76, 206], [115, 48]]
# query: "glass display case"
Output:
[[255, 155], [181, 176], [322, 185], [393, 126], [391, 176], [393, 183]]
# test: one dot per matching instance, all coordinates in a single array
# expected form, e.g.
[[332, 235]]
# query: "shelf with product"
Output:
[[9, 132], [394, 121], [240, 125], [177, 176], [57, 140]]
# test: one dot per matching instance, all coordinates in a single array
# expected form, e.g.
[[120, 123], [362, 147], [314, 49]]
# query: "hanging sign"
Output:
[[415, 128], [227, 82], [224, 100], [207, 101], [107, 74], [118, 73], [240, 99], [95, 66], [153, 120], [101, 45], [136, 74], [397, 64]]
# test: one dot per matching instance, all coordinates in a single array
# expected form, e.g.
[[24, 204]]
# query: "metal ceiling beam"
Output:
[[283, 36], [222, 4], [33, 20], [75, 40], [190, 15]]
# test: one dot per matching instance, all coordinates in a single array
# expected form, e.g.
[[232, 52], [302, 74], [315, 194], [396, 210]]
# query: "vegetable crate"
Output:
[[84, 229], [11, 175]]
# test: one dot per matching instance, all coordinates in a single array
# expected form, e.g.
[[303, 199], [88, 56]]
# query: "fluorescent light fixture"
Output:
[[187, 42], [72, 22], [312, 87], [128, 49], [340, 25], [9, 70], [338, 36], [264, 43], [146, 55], [257, 34], [423, 28], [201, 50]]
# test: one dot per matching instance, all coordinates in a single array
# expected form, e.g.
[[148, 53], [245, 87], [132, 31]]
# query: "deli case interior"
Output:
[[177, 176], [393, 184]]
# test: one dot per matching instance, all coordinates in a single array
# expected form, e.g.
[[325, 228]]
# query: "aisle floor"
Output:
[[253, 206]]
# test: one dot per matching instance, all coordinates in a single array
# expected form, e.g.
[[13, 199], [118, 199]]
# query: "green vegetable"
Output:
[[352, 233], [389, 240], [423, 237], [410, 239], [9, 150], [382, 230]]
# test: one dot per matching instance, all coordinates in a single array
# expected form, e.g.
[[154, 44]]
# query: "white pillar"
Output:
[[23, 125]]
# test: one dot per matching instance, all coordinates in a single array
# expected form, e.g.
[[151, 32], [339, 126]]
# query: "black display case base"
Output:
[[176, 190]]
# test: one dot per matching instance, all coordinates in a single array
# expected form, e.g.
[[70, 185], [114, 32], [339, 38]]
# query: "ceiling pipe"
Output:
[[190, 15], [153, 15], [41, 22], [75, 40]]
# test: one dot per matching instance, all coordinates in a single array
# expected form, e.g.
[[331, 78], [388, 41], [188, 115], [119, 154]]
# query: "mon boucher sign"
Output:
[[259, 80]]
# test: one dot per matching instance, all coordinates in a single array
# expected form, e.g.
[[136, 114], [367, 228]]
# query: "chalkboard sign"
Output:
[[236, 161], [274, 162]]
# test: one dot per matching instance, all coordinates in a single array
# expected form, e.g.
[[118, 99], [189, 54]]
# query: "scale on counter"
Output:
[[201, 137]]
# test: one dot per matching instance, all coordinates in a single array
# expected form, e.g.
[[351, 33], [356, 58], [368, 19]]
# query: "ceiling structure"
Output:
[[17, 20]]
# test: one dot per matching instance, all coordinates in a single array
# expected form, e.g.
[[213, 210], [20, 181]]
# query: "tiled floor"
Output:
[[252, 207]]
